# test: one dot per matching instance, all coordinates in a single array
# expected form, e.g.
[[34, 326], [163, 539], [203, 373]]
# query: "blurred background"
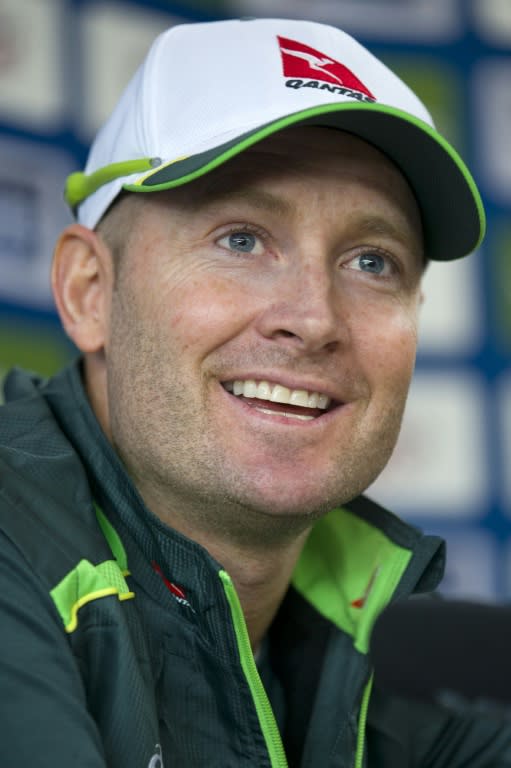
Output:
[[63, 64]]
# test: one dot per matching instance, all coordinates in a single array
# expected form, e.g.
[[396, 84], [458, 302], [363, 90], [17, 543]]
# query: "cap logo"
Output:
[[300, 61]]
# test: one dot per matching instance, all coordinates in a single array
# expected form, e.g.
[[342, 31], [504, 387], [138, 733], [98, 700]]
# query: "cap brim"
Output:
[[452, 210]]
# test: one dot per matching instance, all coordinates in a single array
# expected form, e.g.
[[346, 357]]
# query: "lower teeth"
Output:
[[299, 416]]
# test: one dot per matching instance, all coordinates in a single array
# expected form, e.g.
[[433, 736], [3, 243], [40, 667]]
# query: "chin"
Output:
[[305, 505]]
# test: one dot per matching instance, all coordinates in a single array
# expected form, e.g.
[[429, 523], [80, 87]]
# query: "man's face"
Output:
[[263, 330]]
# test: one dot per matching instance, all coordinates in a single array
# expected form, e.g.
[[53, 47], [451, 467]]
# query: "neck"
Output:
[[261, 581], [259, 555]]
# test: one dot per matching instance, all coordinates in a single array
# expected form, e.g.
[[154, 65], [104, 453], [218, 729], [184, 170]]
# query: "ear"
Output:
[[82, 280]]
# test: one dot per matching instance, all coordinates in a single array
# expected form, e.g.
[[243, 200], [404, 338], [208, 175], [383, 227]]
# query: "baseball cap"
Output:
[[207, 91]]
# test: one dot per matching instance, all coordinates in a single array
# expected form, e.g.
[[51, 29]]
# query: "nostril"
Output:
[[285, 334]]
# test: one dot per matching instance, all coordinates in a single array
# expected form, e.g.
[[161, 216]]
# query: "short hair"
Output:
[[116, 225]]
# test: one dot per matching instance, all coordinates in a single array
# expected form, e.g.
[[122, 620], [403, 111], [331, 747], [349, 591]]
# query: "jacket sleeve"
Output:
[[411, 732], [44, 719]]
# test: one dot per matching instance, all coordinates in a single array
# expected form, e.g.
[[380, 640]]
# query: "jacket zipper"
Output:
[[263, 707], [362, 719]]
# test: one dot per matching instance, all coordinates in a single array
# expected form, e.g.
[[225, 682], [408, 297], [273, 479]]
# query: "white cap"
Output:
[[207, 91]]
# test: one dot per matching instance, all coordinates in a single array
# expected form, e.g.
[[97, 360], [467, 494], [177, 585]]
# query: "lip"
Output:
[[277, 419]]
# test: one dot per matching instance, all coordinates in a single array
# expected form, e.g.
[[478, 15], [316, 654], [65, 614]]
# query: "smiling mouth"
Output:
[[275, 399]]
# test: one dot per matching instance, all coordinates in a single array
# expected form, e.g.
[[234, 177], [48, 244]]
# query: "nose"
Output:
[[303, 310]]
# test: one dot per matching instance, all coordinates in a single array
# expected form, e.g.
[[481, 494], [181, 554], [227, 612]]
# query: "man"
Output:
[[189, 574]]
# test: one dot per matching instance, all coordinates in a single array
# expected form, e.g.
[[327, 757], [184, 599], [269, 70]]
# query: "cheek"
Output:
[[204, 312], [389, 349]]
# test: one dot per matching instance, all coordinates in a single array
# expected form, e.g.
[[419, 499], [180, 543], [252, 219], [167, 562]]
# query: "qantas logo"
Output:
[[307, 67]]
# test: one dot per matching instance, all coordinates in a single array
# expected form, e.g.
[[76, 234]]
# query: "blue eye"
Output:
[[242, 241], [374, 263]]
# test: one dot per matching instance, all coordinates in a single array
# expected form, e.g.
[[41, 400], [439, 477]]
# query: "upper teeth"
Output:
[[265, 390]]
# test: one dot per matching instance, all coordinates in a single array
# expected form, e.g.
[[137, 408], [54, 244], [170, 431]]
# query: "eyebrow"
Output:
[[258, 198], [378, 225], [219, 191], [264, 200]]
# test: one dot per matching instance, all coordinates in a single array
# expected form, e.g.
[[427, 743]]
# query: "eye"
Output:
[[242, 241], [372, 262]]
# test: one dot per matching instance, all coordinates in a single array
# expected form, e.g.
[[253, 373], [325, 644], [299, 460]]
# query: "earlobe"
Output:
[[81, 283]]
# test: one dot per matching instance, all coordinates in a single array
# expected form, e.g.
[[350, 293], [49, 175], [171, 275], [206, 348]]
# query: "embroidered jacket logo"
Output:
[[302, 63], [176, 592]]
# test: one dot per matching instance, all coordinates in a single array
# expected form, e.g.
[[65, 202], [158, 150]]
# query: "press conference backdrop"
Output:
[[63, 64]]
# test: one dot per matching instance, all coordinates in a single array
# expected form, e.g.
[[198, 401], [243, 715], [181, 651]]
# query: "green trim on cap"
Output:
[[452, 208], [184, 170], [80, 186]]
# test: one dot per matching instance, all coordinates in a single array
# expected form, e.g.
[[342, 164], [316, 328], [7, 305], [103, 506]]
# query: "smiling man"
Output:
[[189, 572]]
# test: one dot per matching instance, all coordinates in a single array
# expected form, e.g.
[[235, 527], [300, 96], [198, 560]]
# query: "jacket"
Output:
[[123, 643]]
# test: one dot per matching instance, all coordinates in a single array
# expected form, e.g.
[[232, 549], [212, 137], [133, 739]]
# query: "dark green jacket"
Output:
[[122, 643]]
